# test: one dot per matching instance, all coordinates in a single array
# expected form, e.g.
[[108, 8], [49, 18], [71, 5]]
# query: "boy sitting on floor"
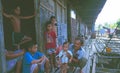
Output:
[[34, 61]]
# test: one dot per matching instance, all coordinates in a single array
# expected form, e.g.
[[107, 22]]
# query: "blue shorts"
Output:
[[51, 51]]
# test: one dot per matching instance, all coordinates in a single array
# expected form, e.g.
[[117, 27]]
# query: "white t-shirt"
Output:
[[63, 56]]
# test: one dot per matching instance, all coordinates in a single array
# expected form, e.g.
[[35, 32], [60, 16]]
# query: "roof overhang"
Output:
[[88, 10]]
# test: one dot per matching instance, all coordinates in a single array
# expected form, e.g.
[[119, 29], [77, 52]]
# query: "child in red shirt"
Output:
[[50, 44]]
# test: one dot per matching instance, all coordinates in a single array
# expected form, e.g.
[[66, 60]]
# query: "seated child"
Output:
[[14, 59], [63, 57], [34, 61]]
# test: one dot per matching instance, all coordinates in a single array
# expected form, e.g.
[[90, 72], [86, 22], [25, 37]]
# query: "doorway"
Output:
[[27, 25]]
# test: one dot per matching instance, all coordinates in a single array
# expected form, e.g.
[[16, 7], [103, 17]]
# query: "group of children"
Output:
[[50, 45], [33, 61]]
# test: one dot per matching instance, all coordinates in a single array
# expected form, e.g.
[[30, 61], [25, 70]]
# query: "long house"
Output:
[[74, 17]]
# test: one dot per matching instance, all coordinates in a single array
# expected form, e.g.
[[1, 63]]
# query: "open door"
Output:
[[27, 26], [6, 29]]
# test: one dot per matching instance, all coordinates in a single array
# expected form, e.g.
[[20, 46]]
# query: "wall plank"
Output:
[[2, 54]]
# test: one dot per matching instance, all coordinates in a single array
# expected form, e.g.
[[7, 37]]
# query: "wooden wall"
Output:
[[2, 54], [61, 14], [45, 10], [74, 28]]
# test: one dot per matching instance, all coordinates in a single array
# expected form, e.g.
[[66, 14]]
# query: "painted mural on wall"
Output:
[[48, 9], [74, 30], [82, 29], [48, 3], [62, 33]]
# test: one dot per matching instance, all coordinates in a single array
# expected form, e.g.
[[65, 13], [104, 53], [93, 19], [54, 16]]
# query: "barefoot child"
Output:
[[14, 60], [17, 36], [50, 44], [64, 59], [34, 61]]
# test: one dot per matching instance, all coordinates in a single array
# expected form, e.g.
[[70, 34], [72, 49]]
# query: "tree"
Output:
[[99, 27], [113, 26], [107, 25], [118, 23]]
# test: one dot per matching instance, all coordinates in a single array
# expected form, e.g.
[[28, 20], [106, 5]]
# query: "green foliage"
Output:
[[110, 25], [118, 23], [99, 27], [113, 25], [107, 25]]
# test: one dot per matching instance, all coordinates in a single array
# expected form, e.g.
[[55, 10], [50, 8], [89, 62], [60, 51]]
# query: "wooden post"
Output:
[[38, 26], [94, 64], [69, 22], [2, 54], [78, 21]]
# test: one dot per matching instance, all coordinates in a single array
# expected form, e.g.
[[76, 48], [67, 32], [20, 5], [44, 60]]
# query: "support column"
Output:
[[2, 54], [69, 21], [37, 24], [78, 21], [93, 27]]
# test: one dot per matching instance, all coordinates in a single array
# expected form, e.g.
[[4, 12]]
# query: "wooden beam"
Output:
[[62, 5], [2, 48], [44, 6], [37, 24]]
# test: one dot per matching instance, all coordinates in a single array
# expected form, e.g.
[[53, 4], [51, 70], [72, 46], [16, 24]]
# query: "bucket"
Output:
[[108, 49]]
